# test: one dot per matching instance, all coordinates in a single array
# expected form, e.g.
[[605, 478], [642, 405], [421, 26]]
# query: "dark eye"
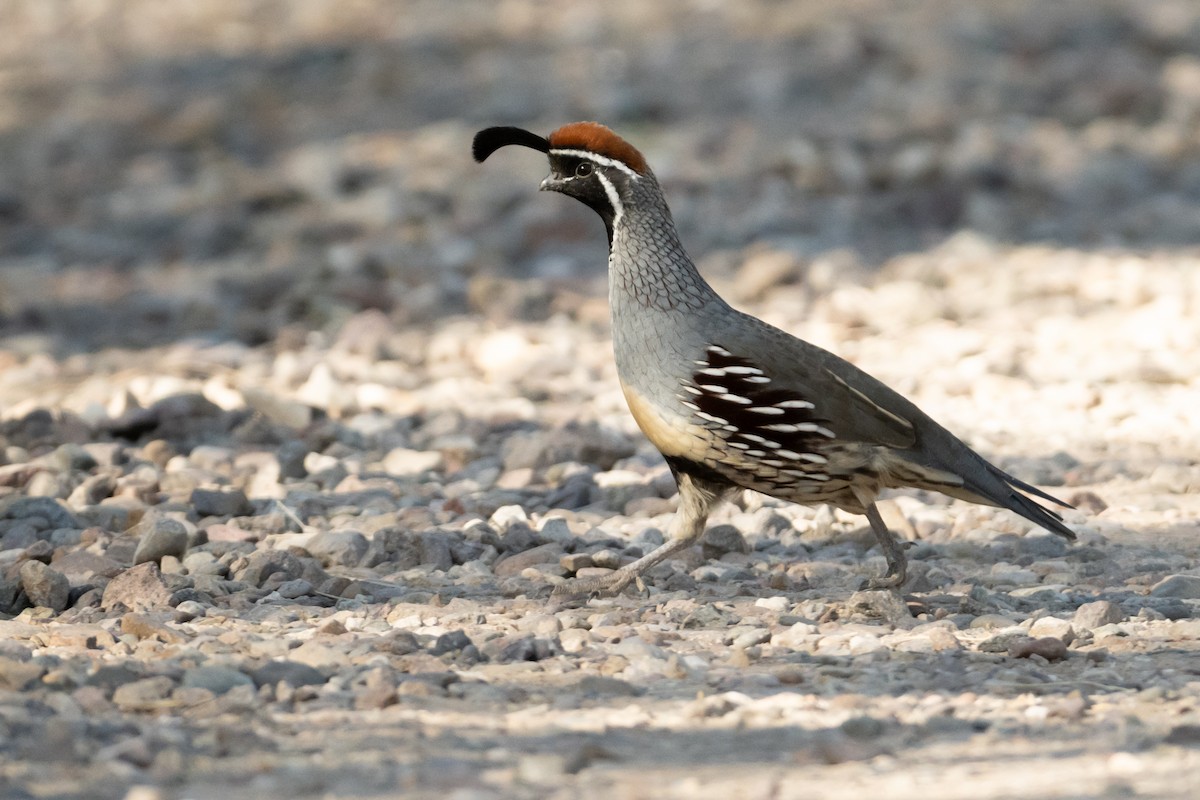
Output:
[[583, 170]]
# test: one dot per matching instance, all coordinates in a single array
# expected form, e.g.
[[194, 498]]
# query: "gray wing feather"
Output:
[[863, 410]]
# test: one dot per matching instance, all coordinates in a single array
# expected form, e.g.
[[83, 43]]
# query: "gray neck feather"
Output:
[[647, 264]]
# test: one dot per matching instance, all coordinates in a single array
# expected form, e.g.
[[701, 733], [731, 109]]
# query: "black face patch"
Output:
[[566, 166], [774, 428], [582, 179]]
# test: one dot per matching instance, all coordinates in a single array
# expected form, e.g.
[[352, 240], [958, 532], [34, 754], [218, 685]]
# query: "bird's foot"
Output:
[[894, 578], [883, 582], [893, 551], [601, 586]]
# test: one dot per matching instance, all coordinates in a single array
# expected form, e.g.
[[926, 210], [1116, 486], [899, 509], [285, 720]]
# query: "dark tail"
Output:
[[1006, 495]]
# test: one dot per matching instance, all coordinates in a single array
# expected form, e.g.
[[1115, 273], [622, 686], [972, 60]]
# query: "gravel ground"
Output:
[[303, 414]]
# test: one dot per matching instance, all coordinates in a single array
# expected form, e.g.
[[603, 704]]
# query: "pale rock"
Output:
[[1052, 626], [1090, 616], [406, 463]]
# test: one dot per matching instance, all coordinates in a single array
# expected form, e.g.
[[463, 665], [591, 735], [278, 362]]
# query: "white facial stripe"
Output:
[[603, 161], [613, 197]]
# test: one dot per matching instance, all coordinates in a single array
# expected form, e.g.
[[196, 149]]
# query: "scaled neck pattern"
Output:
[[647, 264]]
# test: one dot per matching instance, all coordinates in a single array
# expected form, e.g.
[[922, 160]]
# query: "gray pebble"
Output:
[[216, 679], [607, 558], [338, 548], [1042, 545], [863, 727], [721, 539], [292, 673], [573, 562], [588, 444], [1052, 626], [319, 654], [706, 616], [519, 537], [991, 621], [291, 457], [599, 686], [574, 640], [545, 625], [111, 676], [1156, 608], [44, 512], [203, 562], [188, 594], [45, 585], [1101, 612], [450, 642], [144, 694], [1001, 642], [160, 537], [189, 610], [883, 604], [17, 535], [436, 550], [1048, 647], [1187, 735], [227, 503], [91, 491], [262, 564], [295, 588], [397, 643], [71, 457], [548, 553], [742, 637], [1184, 587]]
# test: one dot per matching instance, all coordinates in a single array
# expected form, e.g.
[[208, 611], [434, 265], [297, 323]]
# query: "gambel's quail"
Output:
[[732, 402]]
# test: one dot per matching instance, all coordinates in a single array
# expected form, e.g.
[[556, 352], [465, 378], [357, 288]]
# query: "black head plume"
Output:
[[490, 140]]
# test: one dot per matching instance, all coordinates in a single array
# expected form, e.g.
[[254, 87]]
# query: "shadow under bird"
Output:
[[732, 402]]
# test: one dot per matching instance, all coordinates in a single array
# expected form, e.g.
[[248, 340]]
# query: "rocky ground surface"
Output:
[[303, 415]]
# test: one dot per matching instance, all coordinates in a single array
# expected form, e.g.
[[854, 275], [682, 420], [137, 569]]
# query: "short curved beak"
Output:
[[550, 184]]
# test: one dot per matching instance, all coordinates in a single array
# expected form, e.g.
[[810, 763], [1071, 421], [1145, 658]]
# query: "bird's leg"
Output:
[[893, 551], [696, 499]]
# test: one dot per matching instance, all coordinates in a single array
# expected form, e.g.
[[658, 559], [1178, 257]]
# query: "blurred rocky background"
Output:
[[233, 168]]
